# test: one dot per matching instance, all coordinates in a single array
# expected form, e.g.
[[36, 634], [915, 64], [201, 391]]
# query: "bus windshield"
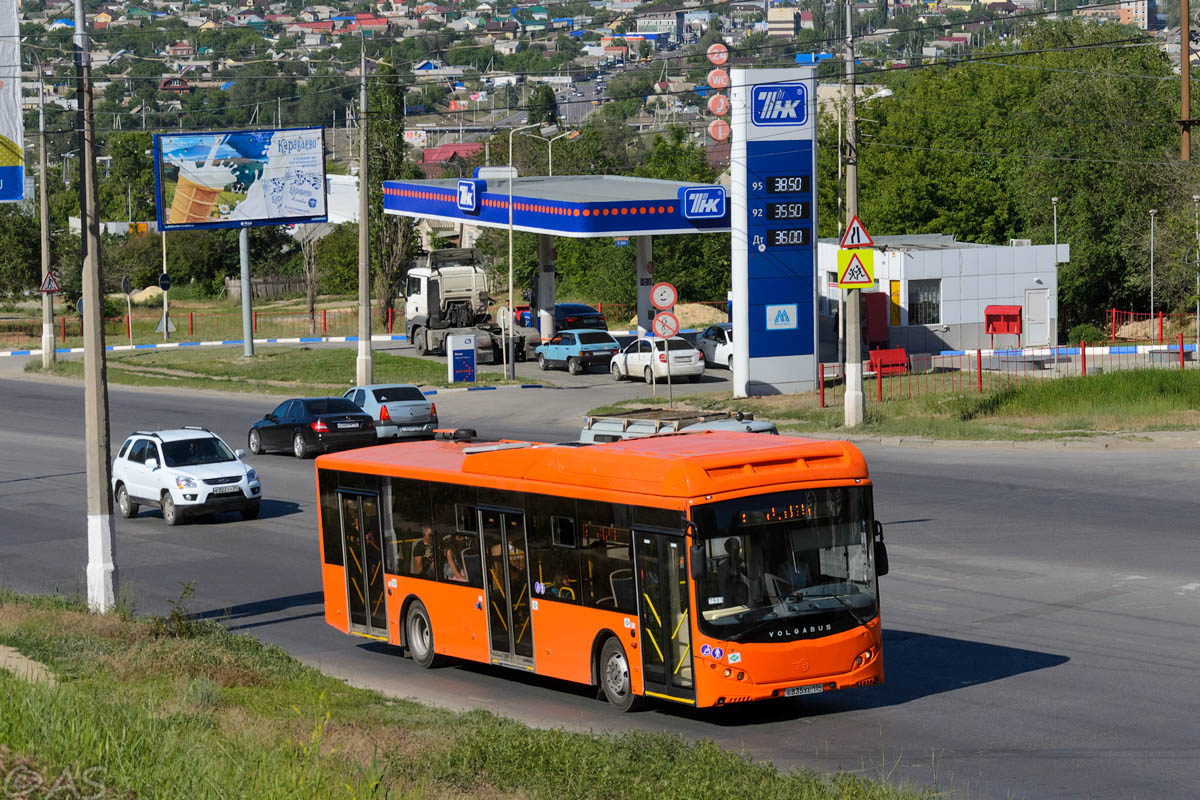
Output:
[[786, 566]]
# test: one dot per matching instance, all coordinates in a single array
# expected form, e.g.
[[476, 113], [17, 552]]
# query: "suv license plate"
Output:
[[796, 691], [226, 489], [347, 425]]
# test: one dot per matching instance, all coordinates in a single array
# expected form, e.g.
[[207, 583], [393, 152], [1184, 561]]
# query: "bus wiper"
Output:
[[857, 617]]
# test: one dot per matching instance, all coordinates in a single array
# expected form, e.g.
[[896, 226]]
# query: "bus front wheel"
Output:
[[614, 676], [419, 635]]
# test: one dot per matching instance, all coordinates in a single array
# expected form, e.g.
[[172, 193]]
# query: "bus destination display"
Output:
[[787, 184], [787, 237], [777, 513]]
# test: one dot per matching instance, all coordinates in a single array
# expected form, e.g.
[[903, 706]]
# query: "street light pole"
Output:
[[1054, 203], [102, 546], [509, 366], [1196, 205], [1153, 214], [853, 407], [48, 352], [363, 365]]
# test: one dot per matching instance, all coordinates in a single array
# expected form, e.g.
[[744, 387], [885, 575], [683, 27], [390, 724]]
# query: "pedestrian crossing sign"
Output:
[[856, 269]]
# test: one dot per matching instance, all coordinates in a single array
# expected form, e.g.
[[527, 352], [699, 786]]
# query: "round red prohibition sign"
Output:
[[665, 325]]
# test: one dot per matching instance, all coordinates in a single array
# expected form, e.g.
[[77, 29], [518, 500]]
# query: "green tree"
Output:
[[542, 106], [129, 185], [20, 241]]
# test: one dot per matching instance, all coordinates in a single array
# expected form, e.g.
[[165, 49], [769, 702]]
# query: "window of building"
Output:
[[925, 302]]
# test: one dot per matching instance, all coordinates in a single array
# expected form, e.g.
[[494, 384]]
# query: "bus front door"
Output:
[[363, 541], [510, 630], [663, 611]]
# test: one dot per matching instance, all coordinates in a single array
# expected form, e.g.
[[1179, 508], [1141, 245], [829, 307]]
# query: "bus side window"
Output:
[[552, 547], [331, 519], [606, 562], [411, 514]]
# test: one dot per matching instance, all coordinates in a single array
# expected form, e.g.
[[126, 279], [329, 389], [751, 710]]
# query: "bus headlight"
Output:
[[863, 658]]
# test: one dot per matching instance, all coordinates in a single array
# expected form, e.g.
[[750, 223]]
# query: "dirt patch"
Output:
[[24, 667], [694, 315]]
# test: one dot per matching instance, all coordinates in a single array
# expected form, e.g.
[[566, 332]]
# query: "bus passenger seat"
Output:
[[621, 581]]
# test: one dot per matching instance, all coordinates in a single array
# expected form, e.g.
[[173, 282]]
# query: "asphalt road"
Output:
[[1041, 629]]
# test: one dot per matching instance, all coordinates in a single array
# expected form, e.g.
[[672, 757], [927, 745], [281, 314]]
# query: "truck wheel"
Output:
[[418, 340], [616, 372], [573, 366], [542, 365]]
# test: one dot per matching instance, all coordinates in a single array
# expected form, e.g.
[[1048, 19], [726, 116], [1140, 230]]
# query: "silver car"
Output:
[[400, 410]]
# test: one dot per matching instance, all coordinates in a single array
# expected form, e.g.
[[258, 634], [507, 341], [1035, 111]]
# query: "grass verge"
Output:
[[1117, 402], [273, 370], [174, 708]]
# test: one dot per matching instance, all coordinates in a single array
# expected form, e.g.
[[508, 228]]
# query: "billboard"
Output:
[[12, 140], [240, 178]]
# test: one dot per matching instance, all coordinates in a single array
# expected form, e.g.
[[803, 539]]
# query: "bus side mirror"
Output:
[[699, 561], [881, 556]]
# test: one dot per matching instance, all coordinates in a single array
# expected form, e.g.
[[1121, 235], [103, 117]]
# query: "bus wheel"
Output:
[[614, 676], [419, 635]]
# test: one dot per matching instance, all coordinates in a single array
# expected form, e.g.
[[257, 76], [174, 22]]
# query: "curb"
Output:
[[116, 348]]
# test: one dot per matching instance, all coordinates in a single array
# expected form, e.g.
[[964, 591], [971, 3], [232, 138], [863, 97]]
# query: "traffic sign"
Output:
[[50, 284], [79, 306], [126, 285], [856, 269], [663, 296], [856, 234], [665, 324], [164, 282]]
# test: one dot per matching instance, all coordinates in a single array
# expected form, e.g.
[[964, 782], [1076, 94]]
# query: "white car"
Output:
[[647, 359], [185, 471], [716, 342]]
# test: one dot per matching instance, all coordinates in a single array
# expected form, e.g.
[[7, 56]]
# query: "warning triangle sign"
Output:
[[856, 234], [855, 271], [50, 284]]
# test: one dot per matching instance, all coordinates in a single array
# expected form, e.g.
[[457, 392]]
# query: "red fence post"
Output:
[[255, 326], [324, 320], [1083, 358], [64, 329], [821, 382], [128, 331], [979, 370], [1160, 328], [879, 384], [191, 323], [1112, 331], [1181, 365]]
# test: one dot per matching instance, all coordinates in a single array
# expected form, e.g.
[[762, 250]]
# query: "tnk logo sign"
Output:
[[702, 202], [779, 104], [468, 196]]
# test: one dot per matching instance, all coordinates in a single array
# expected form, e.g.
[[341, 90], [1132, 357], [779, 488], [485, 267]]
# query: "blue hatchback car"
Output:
[[577, 350]]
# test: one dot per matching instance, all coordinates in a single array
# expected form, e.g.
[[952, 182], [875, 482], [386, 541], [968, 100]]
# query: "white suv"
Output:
[[185, 471]]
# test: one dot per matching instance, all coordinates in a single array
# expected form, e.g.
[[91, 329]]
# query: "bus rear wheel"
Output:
[[614, 676], [418, 635]]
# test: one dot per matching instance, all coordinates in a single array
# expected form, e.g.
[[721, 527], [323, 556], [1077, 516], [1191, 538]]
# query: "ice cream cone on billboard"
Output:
[[193, 202]]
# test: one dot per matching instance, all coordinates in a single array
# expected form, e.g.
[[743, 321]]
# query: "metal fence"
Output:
[[1160, 327], [981, 371]]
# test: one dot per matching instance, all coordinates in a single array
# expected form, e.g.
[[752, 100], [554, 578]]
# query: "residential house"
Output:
[[466, 23], [783, 23], [174, 83], [181, 50]]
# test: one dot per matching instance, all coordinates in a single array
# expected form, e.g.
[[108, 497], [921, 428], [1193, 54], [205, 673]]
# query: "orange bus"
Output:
[[703, 568]]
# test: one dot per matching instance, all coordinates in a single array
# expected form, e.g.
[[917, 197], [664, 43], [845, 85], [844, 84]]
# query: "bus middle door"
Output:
[[363, 542], [663, 612], [510, 628]]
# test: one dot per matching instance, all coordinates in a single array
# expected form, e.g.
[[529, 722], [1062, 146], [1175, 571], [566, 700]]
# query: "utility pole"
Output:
[[1153, 214], [48, 354], [1185, 86], [101, 528], [854, 368], [363, 367]]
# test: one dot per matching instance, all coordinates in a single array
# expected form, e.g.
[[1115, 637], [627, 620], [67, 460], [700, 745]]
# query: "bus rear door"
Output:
[[363, 542], [510, 629], [663, 612]]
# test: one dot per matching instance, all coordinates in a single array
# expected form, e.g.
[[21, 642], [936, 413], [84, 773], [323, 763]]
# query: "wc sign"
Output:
[[702, 202], [778, 104], [783, 318]]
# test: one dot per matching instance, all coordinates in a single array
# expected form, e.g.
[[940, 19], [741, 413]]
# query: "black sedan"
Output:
[[573, 316], [311, 425]]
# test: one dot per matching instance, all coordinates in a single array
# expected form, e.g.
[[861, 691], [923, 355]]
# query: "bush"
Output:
[[1086, 333]]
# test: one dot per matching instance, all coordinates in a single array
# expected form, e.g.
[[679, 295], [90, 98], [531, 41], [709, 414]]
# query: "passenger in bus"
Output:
[[561, 586], [450, 568], [423, 553]]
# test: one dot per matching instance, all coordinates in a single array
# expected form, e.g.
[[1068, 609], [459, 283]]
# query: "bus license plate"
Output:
[[345, 425], [796, 691], [226, 489]]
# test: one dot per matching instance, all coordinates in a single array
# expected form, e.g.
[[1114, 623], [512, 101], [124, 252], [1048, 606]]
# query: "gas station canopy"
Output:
[[576, 206]]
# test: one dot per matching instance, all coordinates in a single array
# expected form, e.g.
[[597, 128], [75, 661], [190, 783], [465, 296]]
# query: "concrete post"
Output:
[[645, 280], [545, 284], [853, 414], [364, 366], [101, 528], [247, 294], [48, 352]]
